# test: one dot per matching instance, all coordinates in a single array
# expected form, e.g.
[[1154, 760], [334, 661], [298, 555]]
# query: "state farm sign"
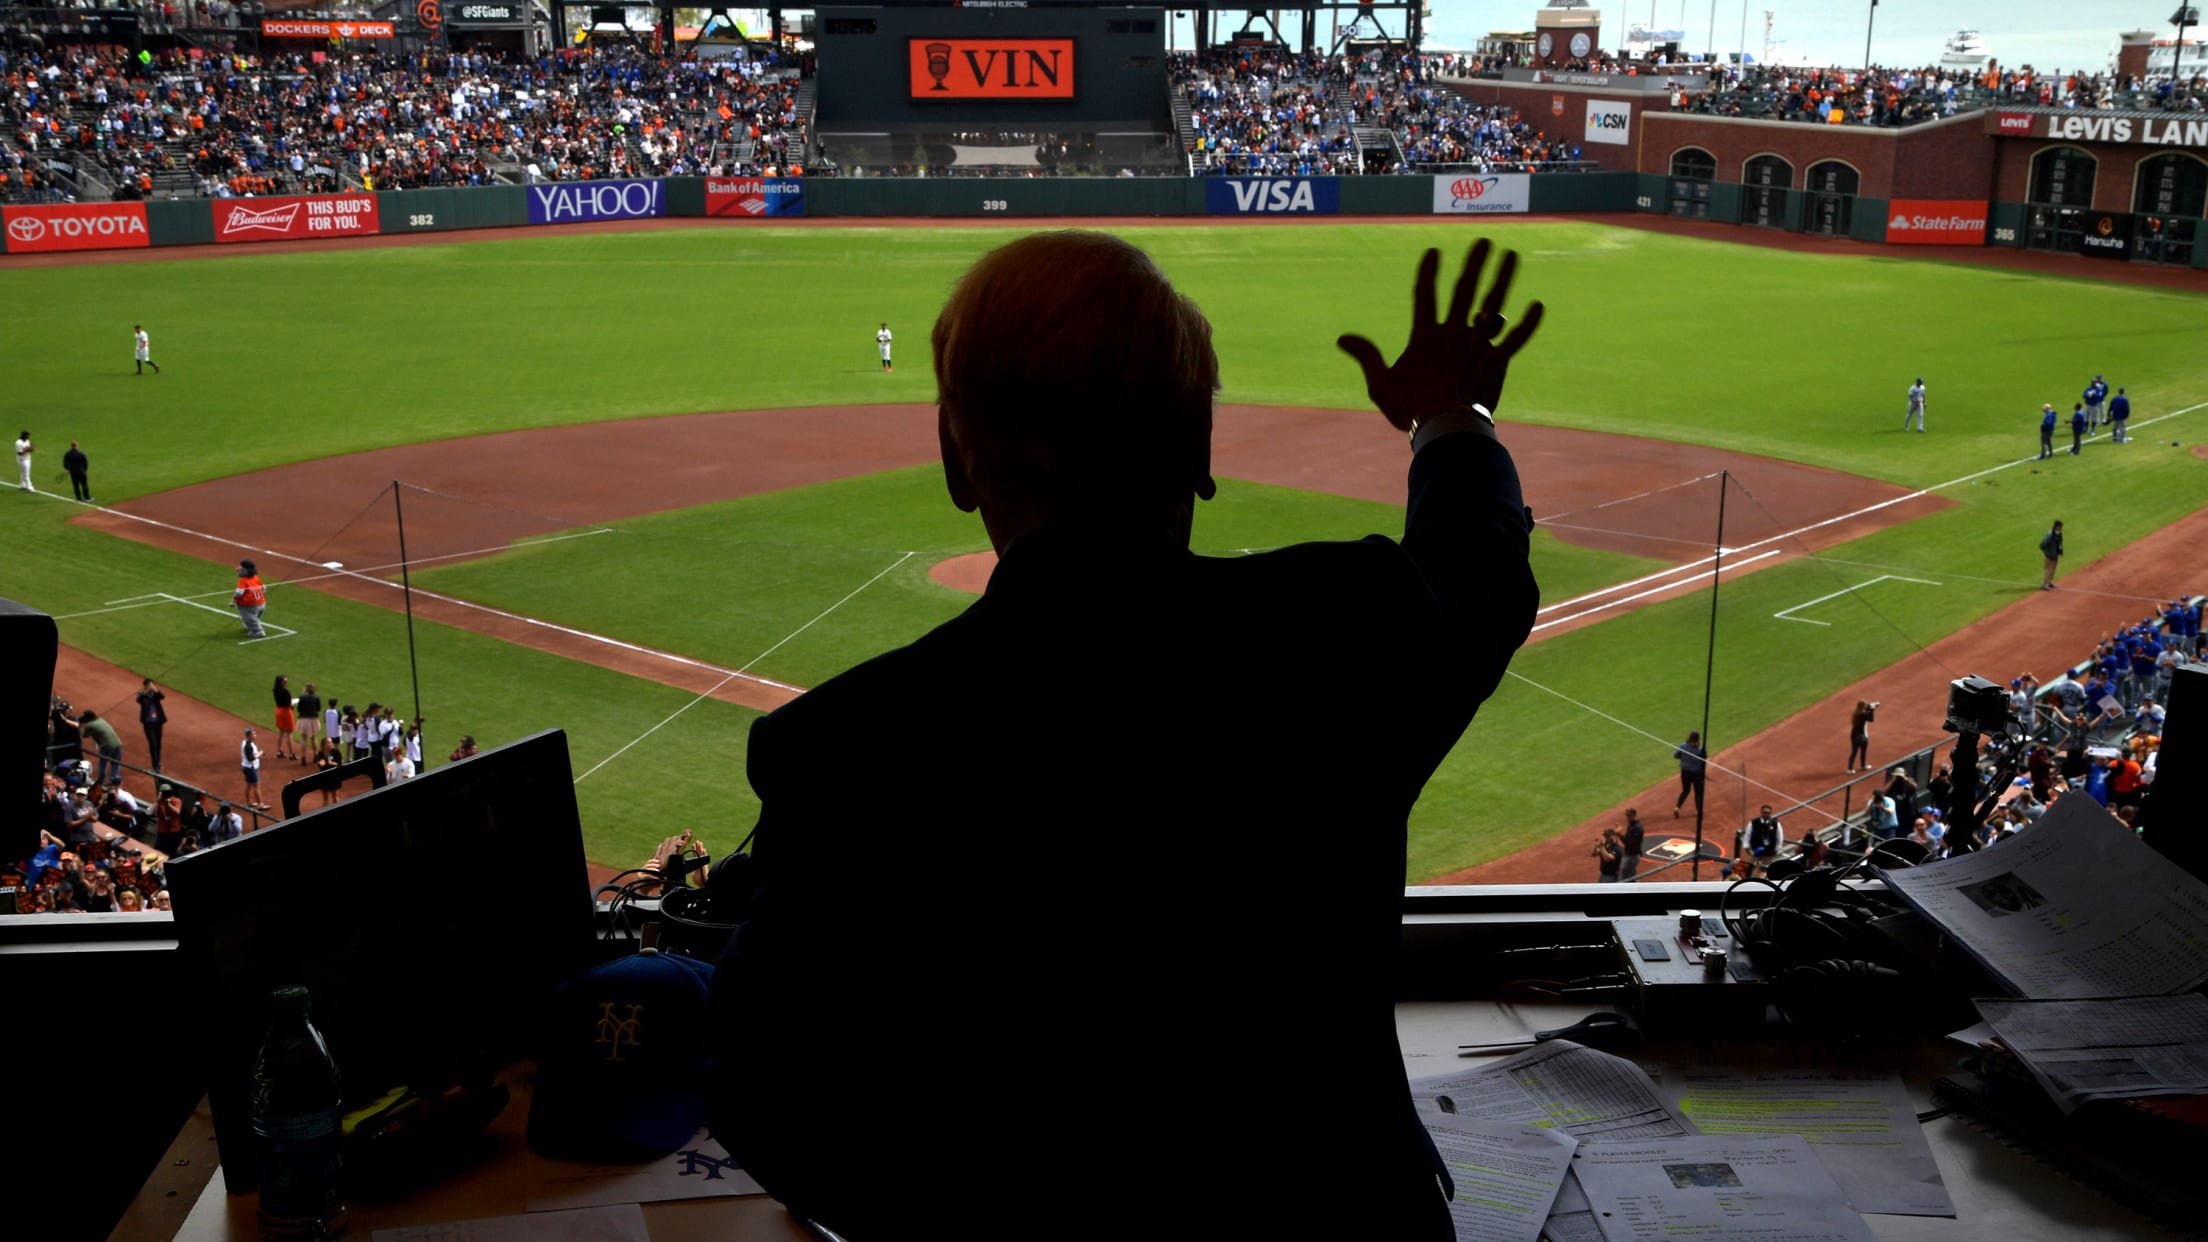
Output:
[[75, 226], [1936, 222], [289, 216]]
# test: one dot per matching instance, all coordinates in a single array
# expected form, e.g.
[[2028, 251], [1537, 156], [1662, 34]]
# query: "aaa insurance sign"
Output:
[[292, 216], [596, 200], [1936, 222], [1482, 194], [75, 226], [754, 197]]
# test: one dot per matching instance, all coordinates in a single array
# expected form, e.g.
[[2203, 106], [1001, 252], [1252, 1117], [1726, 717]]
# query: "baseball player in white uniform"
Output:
[[23, 448], [1916, 406], [882, 338], [142, 348]]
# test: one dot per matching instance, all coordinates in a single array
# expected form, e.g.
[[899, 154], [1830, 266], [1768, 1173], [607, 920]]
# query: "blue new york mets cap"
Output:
[[621, 1053]]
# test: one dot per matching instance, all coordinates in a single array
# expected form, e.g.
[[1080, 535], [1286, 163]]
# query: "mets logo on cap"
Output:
[[621, 1052]]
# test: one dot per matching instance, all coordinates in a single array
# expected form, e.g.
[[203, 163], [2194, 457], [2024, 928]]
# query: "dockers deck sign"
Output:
[[1001, 69]]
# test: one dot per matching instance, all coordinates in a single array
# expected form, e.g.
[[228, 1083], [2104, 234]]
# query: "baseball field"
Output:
[[654, 482]]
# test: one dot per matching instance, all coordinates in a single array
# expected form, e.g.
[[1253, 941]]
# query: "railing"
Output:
[[1506, 166]]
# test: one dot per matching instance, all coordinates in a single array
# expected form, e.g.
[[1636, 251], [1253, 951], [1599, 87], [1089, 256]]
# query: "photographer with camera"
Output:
[[1859, 735]]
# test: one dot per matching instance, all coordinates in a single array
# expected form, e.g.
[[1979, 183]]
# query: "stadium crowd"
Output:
[[300, 121], [2096, 729], [1262, 111], [103, 849]]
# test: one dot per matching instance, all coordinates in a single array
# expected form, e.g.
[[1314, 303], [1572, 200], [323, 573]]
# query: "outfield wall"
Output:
[[194, 222]]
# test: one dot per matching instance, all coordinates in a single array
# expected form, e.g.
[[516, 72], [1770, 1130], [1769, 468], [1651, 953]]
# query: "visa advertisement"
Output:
[[1272, 196], [596, 200], [754, 197], [1482, 194]]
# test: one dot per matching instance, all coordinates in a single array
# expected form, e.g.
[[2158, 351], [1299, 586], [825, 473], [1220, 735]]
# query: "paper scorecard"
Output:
[[615, 1223], [1561, 1085], [1862, 1126], [2075, 906], [1507, 1175], [701, 1170], [1715, 1188], [2107, 1049]]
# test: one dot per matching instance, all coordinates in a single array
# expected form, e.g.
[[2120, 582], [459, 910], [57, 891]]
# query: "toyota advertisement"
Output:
[[1482, 194], [287, 217], [754, 197], [75, 226], [596, 200], [1936, 222]]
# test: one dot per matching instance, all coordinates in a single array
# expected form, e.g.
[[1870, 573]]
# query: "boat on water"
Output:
[[1965, 50]]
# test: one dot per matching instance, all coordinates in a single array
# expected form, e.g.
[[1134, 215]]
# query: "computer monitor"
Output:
[[425, 918]]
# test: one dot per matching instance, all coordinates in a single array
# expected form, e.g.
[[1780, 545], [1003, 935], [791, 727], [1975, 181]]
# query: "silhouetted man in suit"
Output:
[[1078, 916]]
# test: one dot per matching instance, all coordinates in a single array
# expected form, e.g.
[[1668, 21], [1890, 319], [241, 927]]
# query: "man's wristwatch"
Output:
[[1469, 407]]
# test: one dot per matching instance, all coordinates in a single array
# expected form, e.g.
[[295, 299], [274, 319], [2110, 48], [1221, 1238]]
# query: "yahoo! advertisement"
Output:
[[596, 200]]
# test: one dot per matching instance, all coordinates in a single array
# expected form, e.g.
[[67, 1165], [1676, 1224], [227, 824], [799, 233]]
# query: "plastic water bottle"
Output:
[[296, 1116]]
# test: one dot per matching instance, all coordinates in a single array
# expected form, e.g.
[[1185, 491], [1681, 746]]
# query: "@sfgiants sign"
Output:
[[989, 69]]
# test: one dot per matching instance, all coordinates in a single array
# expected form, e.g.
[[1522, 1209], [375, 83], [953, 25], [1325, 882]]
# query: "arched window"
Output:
[[2063, 177], [1694, 162], [2172, 185], [1692, 171], [1766, 178], [1829, 197], [2170, 194], [2060, 195]]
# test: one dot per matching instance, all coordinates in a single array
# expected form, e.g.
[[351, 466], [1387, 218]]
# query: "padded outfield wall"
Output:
[[192, 222]]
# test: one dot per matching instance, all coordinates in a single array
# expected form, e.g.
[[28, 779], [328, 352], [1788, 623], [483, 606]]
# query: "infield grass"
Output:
[[270, 358]]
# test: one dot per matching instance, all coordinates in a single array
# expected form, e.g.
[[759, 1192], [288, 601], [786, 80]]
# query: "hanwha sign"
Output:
[[76, 226]]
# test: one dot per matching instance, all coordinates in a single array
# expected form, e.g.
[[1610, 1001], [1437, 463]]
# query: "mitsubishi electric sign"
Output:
[[595, 200], [1609, 121]]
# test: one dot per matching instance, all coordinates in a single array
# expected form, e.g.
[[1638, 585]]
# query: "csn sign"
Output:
[[595, 200], [1274, 196]]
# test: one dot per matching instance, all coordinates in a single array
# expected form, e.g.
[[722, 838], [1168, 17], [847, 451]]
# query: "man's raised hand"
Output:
[[1454, 361]]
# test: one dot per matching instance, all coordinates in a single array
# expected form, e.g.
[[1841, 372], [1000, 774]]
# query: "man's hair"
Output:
[[1067, 361]]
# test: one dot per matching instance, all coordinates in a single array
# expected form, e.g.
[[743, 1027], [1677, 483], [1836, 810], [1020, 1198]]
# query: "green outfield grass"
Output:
[[275, 358]]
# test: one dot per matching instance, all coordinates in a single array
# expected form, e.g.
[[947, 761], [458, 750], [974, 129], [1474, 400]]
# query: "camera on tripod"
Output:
[[1975, 705]]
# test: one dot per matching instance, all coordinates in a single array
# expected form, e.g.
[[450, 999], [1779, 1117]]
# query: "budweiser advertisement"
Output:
[[1936, 222], [272, 28], [285, 217], [75, 226], [754, 196]]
